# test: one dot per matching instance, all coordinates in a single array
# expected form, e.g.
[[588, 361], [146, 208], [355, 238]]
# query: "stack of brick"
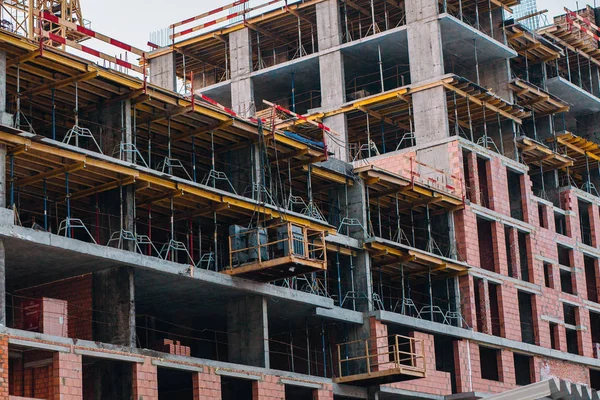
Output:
[[172, 347], [44, 315]]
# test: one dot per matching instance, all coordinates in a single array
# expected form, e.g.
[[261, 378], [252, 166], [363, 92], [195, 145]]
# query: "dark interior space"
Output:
[[591, 279], [486, 246], [444, 357], [514, 194], [173, 384], [297, 393], [106, 379], [526, 317], [235, 389], [523, 369], [488, 359]]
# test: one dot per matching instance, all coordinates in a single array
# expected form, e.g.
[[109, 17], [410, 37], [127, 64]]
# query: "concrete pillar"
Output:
[[5, 118], [3, 183], [114, 306], [163, 72], [248, 331], [426, 62], [331, 68], [242, 89], [496, 76]]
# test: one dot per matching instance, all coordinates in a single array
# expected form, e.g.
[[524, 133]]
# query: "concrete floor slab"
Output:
[[581, 101]]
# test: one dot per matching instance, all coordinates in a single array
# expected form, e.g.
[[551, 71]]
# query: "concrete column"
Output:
[[496, 75], [163, 72], [242, 89], [426, 63], [331, 68], [3, 182], [248, 331], [5, 118], [114, 306], [361, 264]]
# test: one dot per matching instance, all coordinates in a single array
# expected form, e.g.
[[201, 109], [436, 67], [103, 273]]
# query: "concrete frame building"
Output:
[[358, 199]]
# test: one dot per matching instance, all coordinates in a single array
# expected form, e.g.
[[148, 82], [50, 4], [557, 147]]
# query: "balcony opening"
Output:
[[509, 251], [566, 281], [584, 221], [554, 342], [526, 317], [482, 171], [444, 357], [523, 369], [595, 379], [591, 279], [298, 393], [175, 384], [236, 389], [542, 215], [489, 360], [486, 245], [595, 331], [572, 343], [560, 223], [495, 309], [548, 275], [523, 239], [515, 194]]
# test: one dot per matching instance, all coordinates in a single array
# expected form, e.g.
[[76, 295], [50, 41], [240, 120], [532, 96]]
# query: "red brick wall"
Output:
[[67, 377], [4, 367], [268, 388], [145, 381], [550, 368], [436, 382], [207, 385], [77, 292], [378, 345]]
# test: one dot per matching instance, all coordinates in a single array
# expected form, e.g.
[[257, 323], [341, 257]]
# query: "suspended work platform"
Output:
[[381, 360], [276, 252]]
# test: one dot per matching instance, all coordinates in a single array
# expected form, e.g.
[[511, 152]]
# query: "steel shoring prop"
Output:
[[470, 119], [500, 134]]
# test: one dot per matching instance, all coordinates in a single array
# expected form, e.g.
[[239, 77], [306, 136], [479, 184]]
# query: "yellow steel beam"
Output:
[[201, 131], [60, 84], [49, 174], [81, 194]]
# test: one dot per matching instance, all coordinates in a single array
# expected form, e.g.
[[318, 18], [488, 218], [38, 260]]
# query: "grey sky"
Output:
[[132, 20]]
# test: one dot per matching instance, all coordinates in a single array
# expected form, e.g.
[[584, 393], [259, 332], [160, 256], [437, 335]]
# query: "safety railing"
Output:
[[383, 355]]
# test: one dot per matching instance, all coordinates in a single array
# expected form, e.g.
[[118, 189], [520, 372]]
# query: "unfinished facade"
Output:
[[320, 199]]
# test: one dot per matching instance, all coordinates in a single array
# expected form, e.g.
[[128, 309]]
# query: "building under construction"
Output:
[[316, 199]]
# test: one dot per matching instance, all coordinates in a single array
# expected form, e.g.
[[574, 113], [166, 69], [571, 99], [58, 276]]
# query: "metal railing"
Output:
[[290, 240], [378, 354]]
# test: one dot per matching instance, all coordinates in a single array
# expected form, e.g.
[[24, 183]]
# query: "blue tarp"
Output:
[[299, 138]]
